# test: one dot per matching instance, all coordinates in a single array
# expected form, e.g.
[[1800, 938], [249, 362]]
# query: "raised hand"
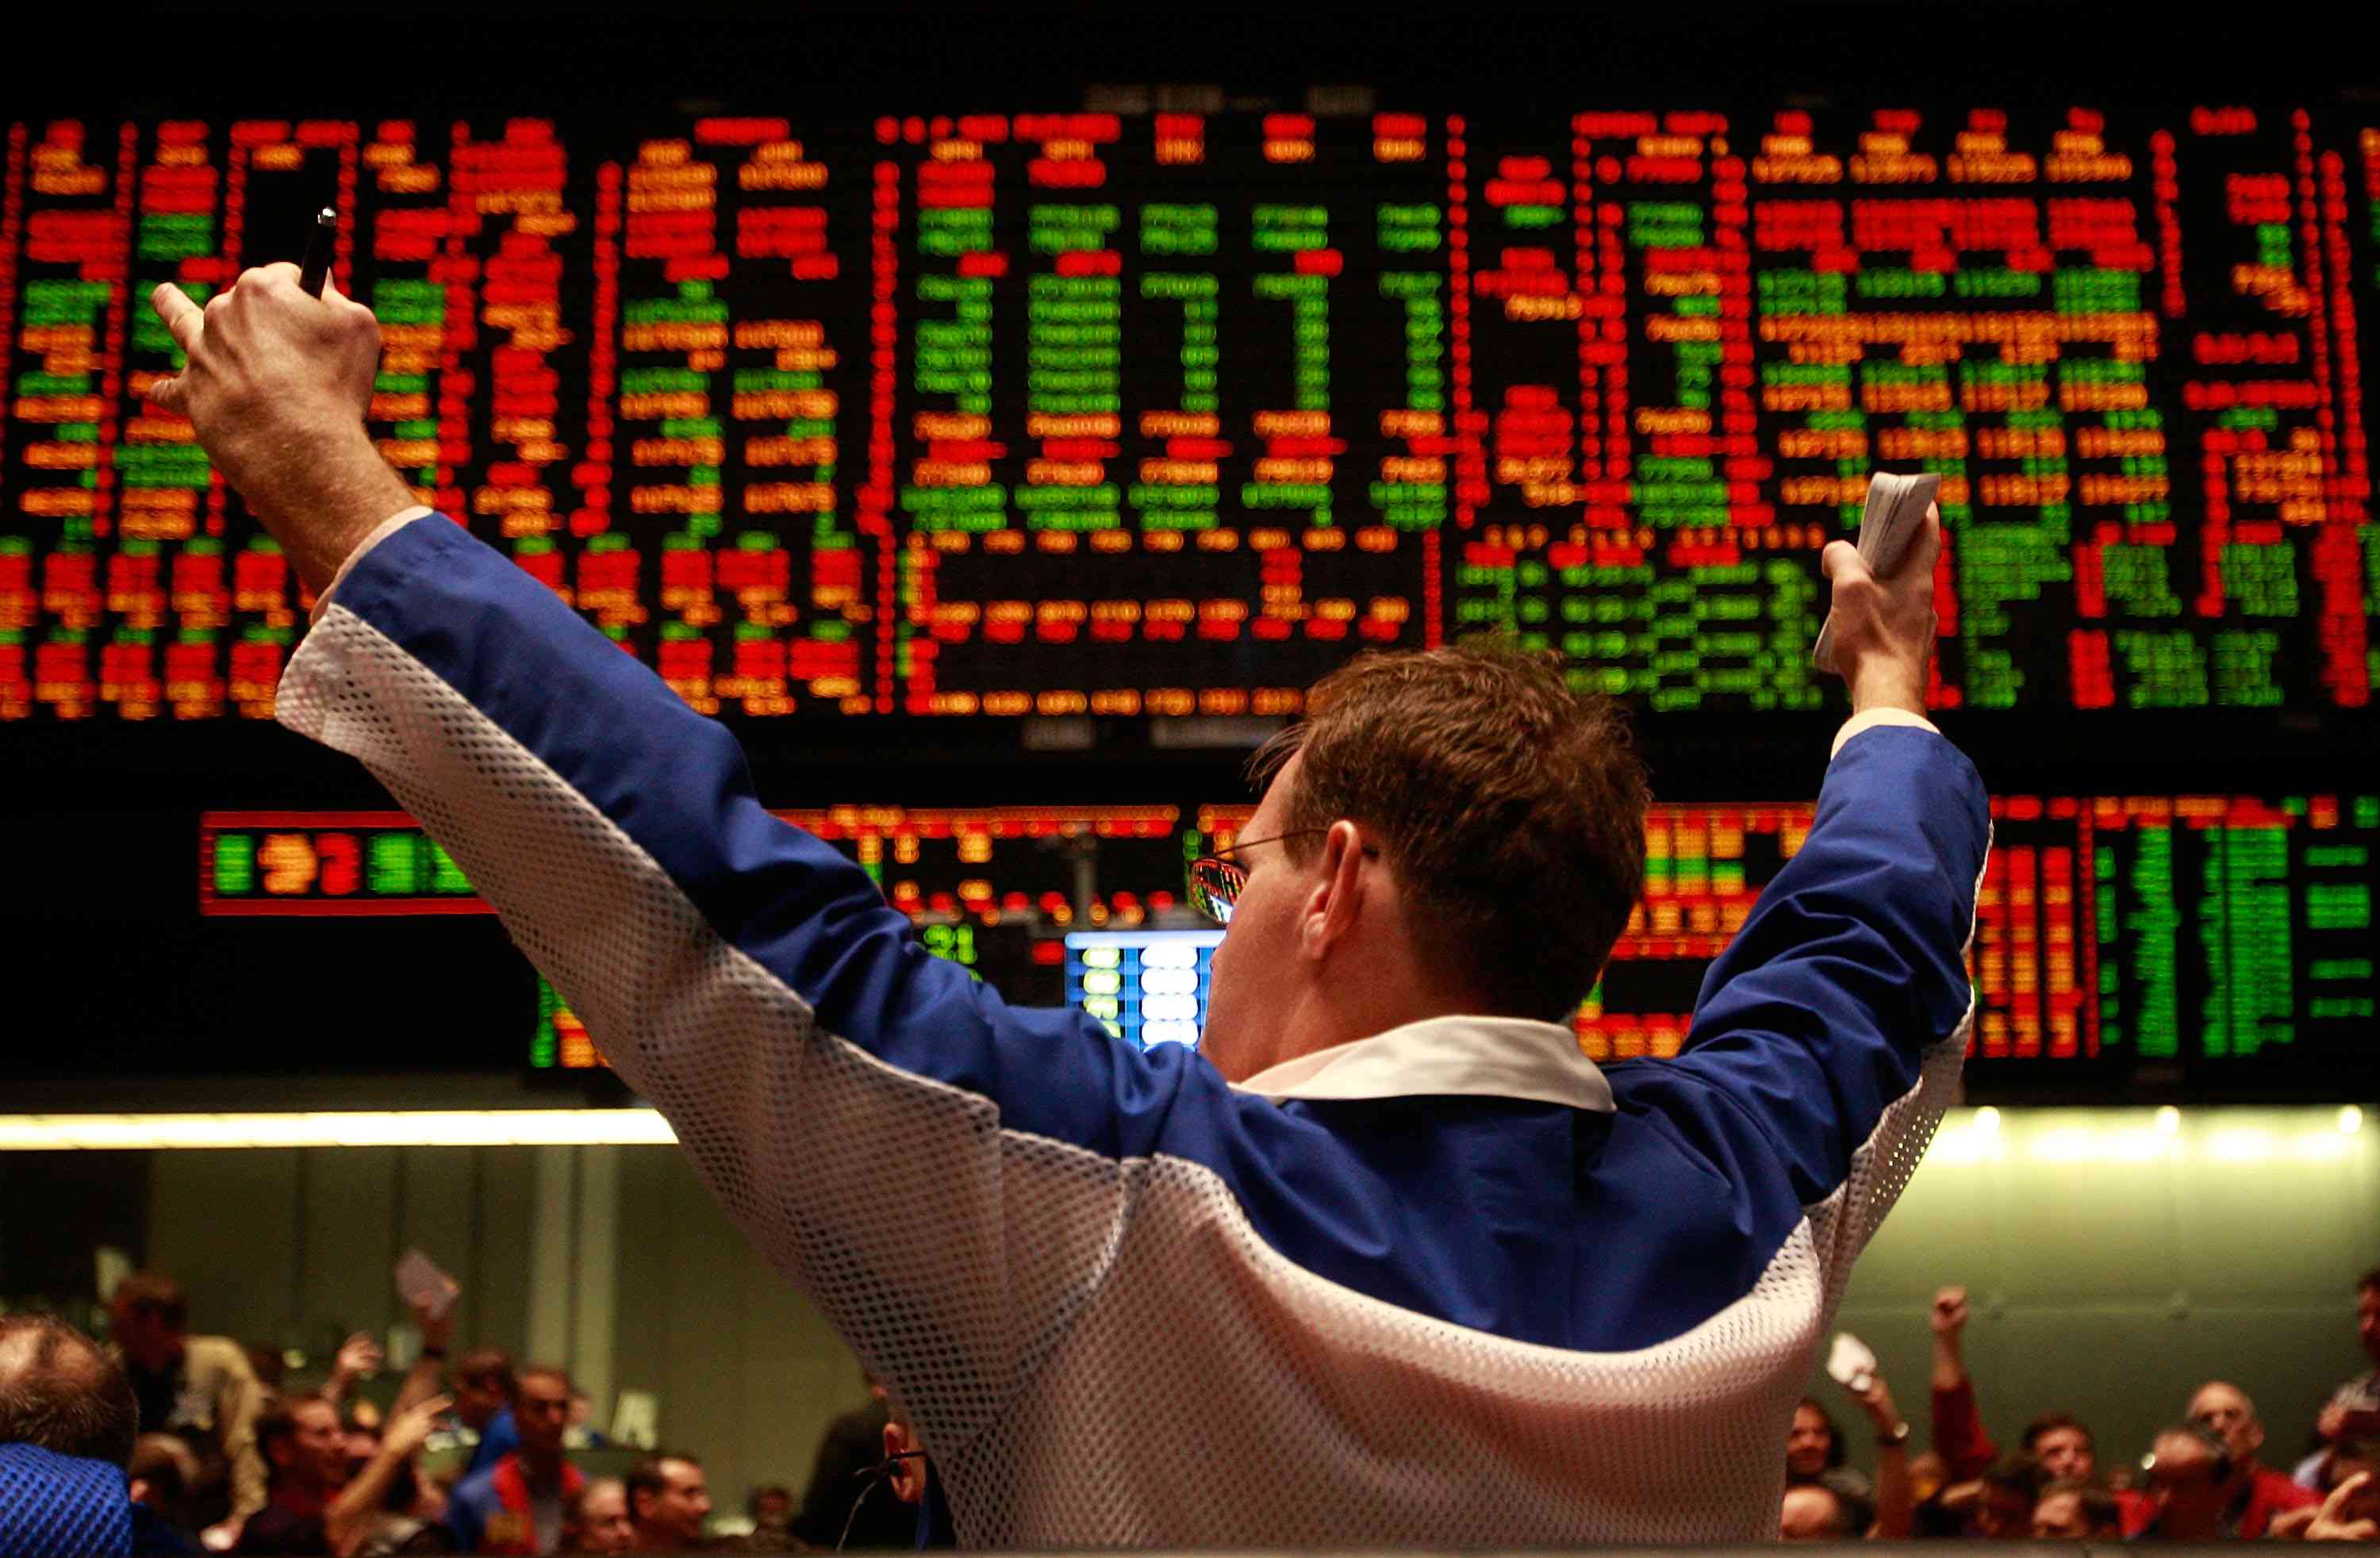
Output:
[[2330, 1525], [410, 1430], [1883, 627], [276, 387], [359, 1357]]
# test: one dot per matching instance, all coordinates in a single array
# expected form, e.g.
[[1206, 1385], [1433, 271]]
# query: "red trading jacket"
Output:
[[2269, 1493]]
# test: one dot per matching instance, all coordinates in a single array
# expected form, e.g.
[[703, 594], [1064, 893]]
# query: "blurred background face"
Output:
[[682, 1505], [2182, 1481], [2065, 1454], [1811, 1515], [1808, 1443], [2060, 1517], [603, 1514], [2367, 1321], [316, 1455], [478, 1400], [2229, 1415], [542, 1414], [151, 1341], [2005, 1514]]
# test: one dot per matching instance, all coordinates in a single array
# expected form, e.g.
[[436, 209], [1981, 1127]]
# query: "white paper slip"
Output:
[[421, 1284], [1851, 1364], [1894, 516]]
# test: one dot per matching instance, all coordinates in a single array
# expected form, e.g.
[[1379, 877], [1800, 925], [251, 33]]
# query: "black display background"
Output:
[[109, 973]]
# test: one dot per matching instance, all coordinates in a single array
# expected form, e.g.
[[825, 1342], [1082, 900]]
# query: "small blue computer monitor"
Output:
[[1149, 987]]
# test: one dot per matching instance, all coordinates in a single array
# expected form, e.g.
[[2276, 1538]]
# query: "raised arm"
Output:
[[1959, 1434], [825, 1076], [1836, 1017], [428, 1376], [349, 1517]]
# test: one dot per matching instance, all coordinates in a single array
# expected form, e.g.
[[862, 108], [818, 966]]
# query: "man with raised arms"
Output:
[[1387, 1260]]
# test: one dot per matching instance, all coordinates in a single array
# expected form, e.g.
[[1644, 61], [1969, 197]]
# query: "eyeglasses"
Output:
[[1216, 882]]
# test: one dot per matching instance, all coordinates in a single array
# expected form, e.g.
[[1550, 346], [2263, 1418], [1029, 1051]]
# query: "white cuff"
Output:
[[381, 532], [1875, 717]]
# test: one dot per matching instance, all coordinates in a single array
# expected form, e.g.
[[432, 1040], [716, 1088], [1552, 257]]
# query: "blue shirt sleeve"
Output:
[[1851, 970]]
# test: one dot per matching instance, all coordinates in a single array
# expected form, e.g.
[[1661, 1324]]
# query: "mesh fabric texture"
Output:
[[62, 1506], [1096, 1352]]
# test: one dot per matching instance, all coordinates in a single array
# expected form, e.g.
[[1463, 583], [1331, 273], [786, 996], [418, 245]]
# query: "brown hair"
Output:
[[59, 1390], [489, 1366], [2050, 1422], [1511, 806], [278, 1424]]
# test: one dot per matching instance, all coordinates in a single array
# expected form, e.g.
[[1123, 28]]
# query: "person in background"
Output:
[[583, 1434], [159, 1476], [1814, 1451], [771, 1509], [198, 1388], [909, 1474], [2005, 1499], [2256, 1492], [596, 1519], [1896, 1497], [483, 1388], [2351, 1512], [2077, 1512], [2353, 1410], [2189, 1483], [669, 1498], [2057, 1442], [853, 1443], [68, 1428], [1813, 1512], [515, 1505], [316, 1506]]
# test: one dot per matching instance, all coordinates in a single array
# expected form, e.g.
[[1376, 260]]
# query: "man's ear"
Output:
[[1336, 901]]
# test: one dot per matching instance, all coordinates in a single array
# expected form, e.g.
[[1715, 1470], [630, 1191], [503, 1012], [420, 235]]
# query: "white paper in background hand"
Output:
[[1894, 516], [1851, 1364], [420, 1283]]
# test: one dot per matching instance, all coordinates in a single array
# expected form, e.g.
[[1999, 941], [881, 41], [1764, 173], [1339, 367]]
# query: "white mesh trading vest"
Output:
[[1147, 1308]]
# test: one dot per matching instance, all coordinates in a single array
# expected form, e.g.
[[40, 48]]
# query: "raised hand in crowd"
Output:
[[1949, 1321], [359, 1358], [348, 1518], [2329, 1521], [428, 1370], [1896, 1497]]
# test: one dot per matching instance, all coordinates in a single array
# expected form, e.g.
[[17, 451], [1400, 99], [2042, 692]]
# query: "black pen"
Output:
[[317, 269]]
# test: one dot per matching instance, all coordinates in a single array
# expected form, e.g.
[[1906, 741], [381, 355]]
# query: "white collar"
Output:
[[1483, 1057]]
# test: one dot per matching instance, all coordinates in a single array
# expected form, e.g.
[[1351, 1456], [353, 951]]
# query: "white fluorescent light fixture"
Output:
[[388, 1127]]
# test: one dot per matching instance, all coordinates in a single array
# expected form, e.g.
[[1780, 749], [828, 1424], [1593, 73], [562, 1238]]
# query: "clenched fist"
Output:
[[276, 387]]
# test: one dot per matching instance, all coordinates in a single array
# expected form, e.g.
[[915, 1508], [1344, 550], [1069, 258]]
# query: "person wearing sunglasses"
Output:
[[1387, 1260]]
